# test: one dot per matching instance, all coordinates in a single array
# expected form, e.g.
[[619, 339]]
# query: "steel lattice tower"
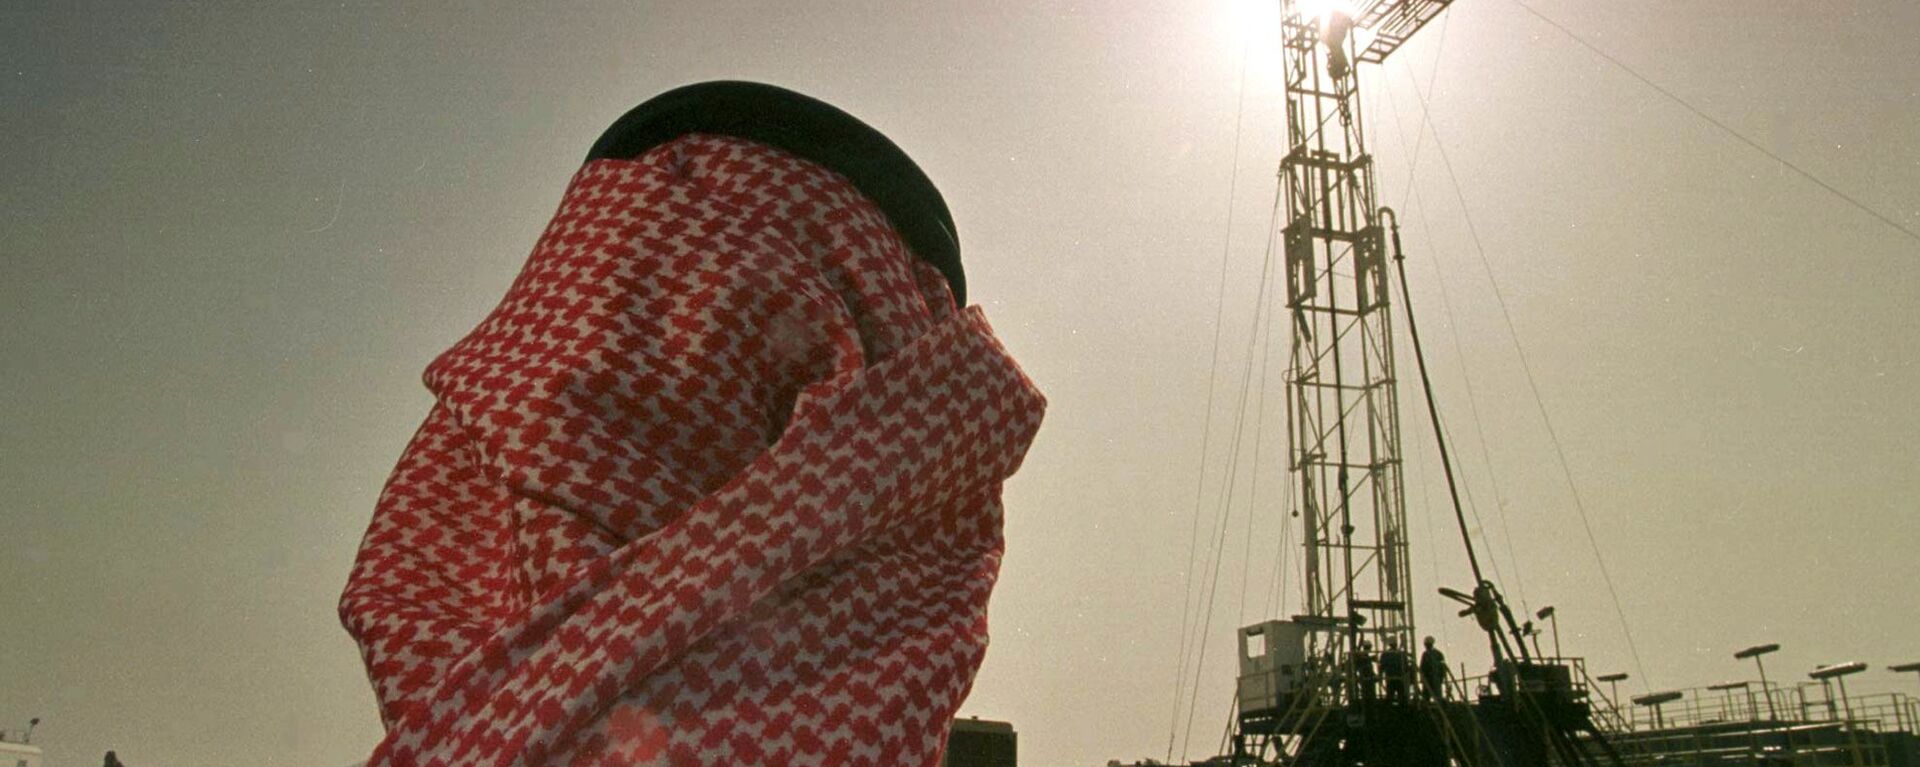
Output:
[[1343, 411], [1306, 696], [1344, 420]]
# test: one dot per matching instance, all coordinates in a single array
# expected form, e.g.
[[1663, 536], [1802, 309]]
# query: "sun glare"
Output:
[[1319, 10], [1254, 27]]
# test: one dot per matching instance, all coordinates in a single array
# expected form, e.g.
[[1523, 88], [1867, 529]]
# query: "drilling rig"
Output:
[[1340, 683]]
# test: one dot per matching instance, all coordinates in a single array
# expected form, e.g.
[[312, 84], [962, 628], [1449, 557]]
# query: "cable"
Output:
[[1413, 165], [1473, 412], [1479, 427], [1253, 490], [1697, 112], [1412, 193], [1420, 131], [1526, 367], [1276, 590], [1453, 327], [1426, 518], [1213, 375], [1260, 309]]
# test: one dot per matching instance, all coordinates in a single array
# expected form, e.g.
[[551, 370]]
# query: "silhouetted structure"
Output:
[[1433, 672], [981, 743], [1307, 691], [1396, 669]]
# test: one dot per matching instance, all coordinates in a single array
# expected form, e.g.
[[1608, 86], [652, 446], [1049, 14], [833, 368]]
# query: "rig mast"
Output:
[[1345, 421], [1337, 684]]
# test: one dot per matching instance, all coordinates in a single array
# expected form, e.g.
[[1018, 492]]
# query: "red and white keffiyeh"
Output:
[[717, 483]]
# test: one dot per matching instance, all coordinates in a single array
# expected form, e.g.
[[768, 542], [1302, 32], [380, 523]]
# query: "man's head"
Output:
[[1429, 643]]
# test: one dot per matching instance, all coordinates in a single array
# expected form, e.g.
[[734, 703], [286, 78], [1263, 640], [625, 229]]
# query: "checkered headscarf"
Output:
[[717, 483]]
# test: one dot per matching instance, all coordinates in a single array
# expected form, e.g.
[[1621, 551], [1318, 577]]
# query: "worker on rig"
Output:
[[1364, 672], [1396, 667], [1433, 671]]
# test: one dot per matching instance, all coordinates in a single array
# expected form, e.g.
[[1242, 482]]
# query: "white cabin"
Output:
[[20, 755]]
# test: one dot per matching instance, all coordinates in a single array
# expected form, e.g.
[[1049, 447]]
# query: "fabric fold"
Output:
[[717, 483]]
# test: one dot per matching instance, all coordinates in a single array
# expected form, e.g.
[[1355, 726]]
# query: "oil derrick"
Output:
[[1308, 683], [1321, 687]]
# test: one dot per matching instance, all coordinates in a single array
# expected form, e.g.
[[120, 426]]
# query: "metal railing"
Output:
[[1746, 723], [1799, 704]]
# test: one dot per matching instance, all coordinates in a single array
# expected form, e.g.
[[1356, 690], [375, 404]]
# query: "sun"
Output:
[[1254, 27], [1319, 10]]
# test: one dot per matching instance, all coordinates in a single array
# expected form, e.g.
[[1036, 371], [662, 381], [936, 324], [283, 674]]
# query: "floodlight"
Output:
[[1756, 651], [1832, 670]]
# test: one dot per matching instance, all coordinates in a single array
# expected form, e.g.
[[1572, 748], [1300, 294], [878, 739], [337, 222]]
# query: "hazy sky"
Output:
[[231, 236]]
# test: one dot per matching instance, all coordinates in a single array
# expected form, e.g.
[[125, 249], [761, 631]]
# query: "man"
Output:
[[1433, 671], [718, 482], [1363, 671], [1396, 668]]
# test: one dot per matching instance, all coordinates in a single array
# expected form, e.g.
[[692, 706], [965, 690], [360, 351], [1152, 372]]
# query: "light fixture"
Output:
[[1833, 670], [1756, 651], [1655, 700]]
